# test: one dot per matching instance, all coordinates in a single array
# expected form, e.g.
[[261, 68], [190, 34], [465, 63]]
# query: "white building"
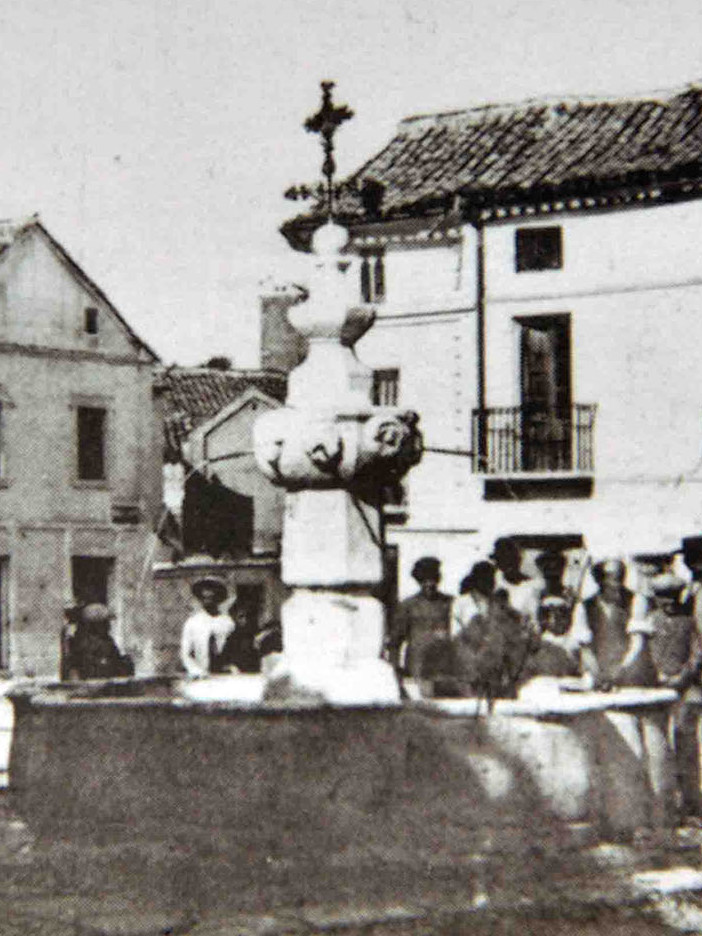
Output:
[[537, 272]]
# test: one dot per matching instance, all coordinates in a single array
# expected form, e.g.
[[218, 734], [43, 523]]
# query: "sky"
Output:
[[155, 138]]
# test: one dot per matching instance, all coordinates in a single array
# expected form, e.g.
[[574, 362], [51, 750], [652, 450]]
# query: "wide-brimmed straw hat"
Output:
[[210, 581]]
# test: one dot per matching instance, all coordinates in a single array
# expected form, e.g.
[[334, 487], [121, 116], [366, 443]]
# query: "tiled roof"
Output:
[[192, 395], [507, 153]]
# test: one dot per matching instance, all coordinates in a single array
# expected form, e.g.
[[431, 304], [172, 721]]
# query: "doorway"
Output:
[[546, 398]]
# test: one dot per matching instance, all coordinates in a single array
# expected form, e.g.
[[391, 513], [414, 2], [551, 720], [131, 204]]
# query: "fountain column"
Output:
[[333, 452]]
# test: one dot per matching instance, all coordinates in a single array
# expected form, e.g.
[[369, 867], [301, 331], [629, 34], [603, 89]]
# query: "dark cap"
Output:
[[550, 557], [482, 573], [692, 547], [427, 569], [609, 567], [506, 546]]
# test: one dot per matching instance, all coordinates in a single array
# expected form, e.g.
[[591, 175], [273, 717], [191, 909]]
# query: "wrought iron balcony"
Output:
[[521, 439]]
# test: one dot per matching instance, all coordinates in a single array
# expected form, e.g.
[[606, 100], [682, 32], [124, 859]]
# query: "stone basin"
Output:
[[303, 798]]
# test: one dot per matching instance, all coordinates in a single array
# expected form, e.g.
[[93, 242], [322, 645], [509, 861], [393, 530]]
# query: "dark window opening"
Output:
[[546, 393], [2, 441], [372, 277], [91, 324], [539, 248], [91, 443], [386, 387], [4, 612], [91, 579]]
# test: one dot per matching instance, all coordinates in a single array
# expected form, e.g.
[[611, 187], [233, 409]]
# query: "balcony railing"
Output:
[[516, 439]]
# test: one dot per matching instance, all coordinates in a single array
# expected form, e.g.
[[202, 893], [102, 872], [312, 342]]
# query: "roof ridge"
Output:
[[232, 372], [553, 102]]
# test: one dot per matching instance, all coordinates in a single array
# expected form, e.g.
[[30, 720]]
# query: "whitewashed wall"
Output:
[[632, 284]]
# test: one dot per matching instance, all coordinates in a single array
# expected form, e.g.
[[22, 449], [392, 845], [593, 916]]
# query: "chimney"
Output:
[[282, 348]]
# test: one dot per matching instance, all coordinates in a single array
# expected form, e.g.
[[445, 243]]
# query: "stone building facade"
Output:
[[80, 462]]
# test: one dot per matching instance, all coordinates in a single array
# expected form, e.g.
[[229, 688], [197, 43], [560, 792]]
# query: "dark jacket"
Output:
[[94, 655]]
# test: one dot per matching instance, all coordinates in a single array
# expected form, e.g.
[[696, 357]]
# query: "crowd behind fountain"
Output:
[[505, 630], [599, 625]]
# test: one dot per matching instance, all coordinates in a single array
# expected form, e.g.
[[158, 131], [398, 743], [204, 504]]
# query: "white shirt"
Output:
[[523, 596], [195, 640], [464, 608]]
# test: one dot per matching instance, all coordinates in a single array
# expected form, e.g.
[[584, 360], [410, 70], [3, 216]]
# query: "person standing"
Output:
[[489, 640], [520, 591], [421, 624], [474, 599], [206, 630], [613, 643], [239, 653], [552, 564], [94, 654], [676, 648], [691, 597]]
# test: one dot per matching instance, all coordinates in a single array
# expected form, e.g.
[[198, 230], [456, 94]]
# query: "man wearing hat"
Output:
[[691, 597], [95, 655], [422, 621], [206, 630], [677, 652], [612, 641], [520, 591]]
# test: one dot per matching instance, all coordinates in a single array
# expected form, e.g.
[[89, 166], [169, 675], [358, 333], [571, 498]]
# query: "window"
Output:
[[91, 425], [539, 248], [91, 322], [3, 470], [4, 612], [386, 387], [372, 276]]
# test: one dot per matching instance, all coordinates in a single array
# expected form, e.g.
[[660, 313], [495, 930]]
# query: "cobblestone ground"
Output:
[[37, 900]]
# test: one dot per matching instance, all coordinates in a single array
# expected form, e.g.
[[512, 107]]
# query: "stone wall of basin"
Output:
[[276, 779]]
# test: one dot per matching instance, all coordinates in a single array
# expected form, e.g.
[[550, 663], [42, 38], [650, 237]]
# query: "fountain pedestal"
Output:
[[333, 452]]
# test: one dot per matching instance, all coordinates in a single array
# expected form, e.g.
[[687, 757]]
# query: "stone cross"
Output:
[[333, 451], [326, 122]]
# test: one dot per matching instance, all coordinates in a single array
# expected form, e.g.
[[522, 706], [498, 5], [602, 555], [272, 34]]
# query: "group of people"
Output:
[[212, 640], [505, 628], [216, 641]]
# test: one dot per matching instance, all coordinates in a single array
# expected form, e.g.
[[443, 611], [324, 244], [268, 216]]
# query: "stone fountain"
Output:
[[333, 452], [326, 790]]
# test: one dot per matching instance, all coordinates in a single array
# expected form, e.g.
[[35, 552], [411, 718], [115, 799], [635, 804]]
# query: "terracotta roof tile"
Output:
[[192, 395], [500, 153]]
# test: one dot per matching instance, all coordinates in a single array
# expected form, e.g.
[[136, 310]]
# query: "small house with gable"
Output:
[[223, 515]]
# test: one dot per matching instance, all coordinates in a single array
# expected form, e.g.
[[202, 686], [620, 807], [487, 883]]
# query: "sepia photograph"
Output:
[[351, 468]]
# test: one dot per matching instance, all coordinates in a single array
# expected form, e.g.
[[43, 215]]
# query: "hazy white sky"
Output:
[[155, 137]]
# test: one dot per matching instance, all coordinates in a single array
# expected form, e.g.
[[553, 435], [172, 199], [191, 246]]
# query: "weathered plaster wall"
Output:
[[49, 365]]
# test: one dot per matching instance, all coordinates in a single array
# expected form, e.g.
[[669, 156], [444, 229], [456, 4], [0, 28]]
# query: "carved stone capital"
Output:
[[298, 450]]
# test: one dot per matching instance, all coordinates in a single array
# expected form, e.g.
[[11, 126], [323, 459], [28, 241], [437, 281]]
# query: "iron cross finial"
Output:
[[326, 122]]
